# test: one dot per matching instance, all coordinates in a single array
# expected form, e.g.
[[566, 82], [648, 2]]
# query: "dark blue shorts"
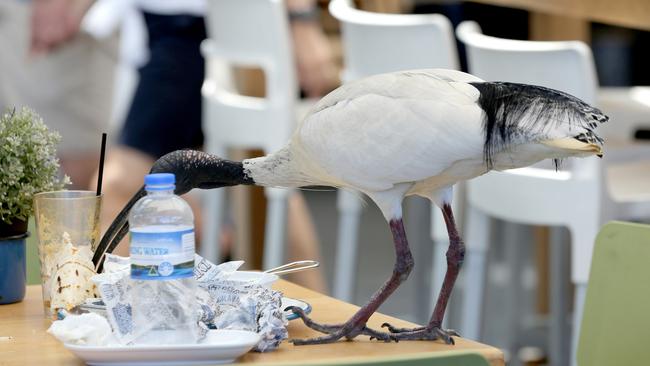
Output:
[[165, 114]]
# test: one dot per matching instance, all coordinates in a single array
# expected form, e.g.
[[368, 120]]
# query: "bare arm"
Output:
[[54, 22], [314, 60]]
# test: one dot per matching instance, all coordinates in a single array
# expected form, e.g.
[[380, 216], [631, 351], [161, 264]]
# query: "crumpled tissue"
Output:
[[88, 329]]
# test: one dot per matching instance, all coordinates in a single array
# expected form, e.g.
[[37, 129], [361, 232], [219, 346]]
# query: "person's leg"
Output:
[[80, 167], [165, 114], [124, 170]]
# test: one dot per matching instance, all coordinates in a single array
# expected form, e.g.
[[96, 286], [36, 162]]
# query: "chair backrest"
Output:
[[375, 43], [563, 65], [616, 326], [250, 33]]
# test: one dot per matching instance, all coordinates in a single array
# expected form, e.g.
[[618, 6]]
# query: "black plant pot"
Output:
[[17, 227]]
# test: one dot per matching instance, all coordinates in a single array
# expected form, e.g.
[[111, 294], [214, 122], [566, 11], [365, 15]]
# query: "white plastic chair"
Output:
[[251, 33], [375, 43], [578, 198]]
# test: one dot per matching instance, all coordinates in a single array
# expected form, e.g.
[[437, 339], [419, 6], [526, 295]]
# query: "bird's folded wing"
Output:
[[394, 128]]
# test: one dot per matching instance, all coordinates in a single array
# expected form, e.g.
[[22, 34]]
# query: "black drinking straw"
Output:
[[101, 164]]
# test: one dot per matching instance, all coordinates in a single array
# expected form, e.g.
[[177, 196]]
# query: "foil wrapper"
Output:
[[232, 304]]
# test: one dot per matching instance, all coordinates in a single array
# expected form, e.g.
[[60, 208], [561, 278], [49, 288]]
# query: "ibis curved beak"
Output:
[[575, 146]]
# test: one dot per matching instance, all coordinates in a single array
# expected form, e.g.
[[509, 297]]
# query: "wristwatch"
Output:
[[304, 15]]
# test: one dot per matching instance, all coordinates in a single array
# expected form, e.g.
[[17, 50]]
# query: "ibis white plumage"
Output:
[[393, 135]]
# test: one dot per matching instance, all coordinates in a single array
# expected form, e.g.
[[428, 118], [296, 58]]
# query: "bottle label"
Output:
[[162, 255]]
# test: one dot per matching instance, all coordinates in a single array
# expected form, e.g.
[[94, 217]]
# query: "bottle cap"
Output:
[[159, 181]]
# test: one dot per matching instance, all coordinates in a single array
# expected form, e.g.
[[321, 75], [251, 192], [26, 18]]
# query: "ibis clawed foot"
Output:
[[349, 330], [430, 332]]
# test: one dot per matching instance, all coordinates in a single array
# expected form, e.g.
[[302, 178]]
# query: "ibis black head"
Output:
[[520, 111], [193, 169]]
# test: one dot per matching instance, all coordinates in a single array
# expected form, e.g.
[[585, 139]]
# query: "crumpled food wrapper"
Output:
[[228, 304], [70, 269], [114, 286], [248, 307], [223, 304], [88, 329]]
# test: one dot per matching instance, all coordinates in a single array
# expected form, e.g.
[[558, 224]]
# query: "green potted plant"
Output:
[[28, 165]]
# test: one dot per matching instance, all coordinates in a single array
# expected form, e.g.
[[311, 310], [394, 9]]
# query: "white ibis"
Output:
[[400, 134]]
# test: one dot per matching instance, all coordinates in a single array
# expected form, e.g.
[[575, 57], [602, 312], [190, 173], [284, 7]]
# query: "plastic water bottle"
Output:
[[163, 302]]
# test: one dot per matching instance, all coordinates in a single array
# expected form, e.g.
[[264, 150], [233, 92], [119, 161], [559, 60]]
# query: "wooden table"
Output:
[[554, 20], [23, 340], [625, 13]]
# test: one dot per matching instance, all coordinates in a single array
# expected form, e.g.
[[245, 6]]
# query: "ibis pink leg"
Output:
[[357, 324], [455, 257]]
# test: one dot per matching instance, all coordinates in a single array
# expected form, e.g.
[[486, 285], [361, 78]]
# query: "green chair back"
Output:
[[616, 321], [458, 358]]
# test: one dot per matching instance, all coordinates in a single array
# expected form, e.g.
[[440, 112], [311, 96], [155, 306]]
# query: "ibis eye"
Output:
[[582, 138]]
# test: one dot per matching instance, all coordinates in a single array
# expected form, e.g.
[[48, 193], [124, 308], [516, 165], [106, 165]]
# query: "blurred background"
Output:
[[165, 75]]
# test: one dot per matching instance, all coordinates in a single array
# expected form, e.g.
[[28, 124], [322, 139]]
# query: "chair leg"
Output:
[[583, 237], [275, 229], [440, 246], [212, 218], [578, 307], [214, 206], [559, 304], [349, 206], [417, 211], [513, 240], [440, 240], [477, 234]]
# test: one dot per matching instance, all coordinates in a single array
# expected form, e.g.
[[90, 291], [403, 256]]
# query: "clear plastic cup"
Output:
[[67, 223]]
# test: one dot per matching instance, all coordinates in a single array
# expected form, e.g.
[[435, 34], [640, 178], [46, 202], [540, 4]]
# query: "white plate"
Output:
[[260, 278], [219, 346], [287, 301]]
